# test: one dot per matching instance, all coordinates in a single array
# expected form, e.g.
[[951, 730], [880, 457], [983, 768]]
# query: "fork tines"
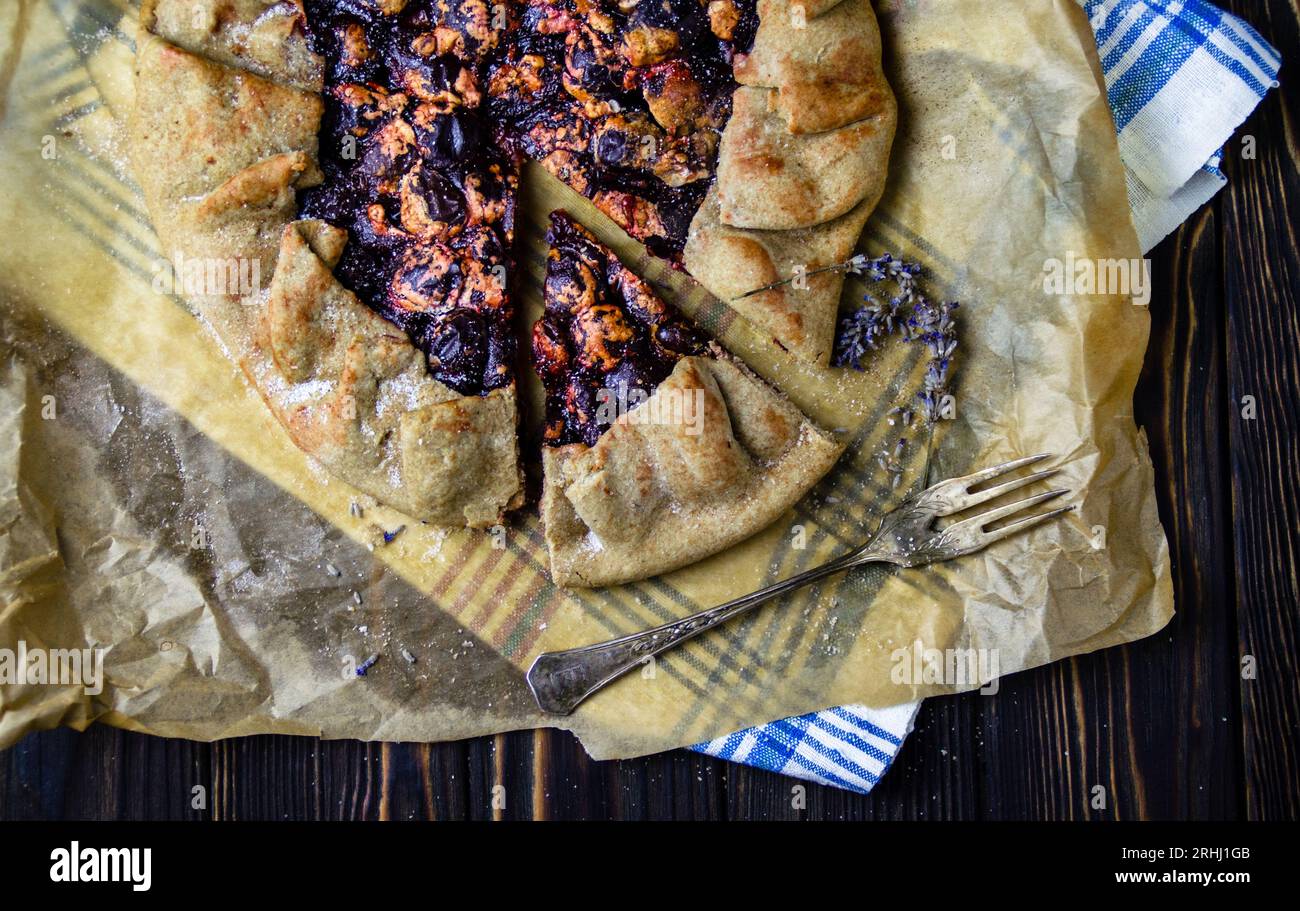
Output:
[[957, 495]]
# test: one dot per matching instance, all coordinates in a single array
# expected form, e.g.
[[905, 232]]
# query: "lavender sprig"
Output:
[[909, 313], [934, 326], [863, 330], [931, 324], [878, 269], [888, 266]]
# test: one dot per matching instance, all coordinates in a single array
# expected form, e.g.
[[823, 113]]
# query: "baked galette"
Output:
[[362, 157], [659, 448]]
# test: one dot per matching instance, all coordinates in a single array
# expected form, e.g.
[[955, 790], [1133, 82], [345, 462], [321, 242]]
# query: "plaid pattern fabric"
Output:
[[1180, 77]]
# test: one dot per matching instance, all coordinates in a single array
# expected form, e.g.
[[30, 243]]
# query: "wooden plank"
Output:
[[677, 785], [1173, 727], [1262, 273]]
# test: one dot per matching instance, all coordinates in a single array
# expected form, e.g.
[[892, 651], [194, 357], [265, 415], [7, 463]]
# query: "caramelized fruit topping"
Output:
[[432, 104], [605, 336]]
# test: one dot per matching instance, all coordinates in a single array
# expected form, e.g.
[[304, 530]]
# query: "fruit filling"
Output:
[[625, 101], [605, 340], [426, 195], [432, 104]]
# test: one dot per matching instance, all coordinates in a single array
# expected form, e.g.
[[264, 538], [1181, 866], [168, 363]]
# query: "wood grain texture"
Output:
[[1166, 726], [1262, 291]]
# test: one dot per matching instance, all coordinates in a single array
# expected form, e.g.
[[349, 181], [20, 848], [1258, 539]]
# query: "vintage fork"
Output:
[[906, 537]]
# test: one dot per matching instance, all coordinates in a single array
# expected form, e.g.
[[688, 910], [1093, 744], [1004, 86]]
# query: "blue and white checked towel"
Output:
[[1181, 76]]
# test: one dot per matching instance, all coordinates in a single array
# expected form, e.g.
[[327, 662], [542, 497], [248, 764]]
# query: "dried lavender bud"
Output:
[[862, 330], [910, 314], [890, 461], [934, 325]]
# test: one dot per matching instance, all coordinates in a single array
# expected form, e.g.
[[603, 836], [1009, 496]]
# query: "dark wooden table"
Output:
[[1168, 726]]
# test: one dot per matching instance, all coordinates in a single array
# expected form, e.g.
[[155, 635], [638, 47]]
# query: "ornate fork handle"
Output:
[[561, 680], [907, 536]]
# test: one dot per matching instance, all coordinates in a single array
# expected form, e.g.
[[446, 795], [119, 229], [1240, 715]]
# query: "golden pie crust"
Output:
[[223, 136]]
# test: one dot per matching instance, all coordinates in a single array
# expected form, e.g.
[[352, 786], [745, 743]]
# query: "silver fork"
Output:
[[906, 537]]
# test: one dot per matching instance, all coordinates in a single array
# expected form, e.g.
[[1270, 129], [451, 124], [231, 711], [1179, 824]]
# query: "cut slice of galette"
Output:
[[801, 167], [659, 448]]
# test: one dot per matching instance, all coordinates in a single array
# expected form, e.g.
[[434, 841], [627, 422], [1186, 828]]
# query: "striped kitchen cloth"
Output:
[[1181, 76]]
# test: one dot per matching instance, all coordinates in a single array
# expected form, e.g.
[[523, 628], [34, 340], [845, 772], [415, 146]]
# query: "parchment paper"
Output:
[[158, 512]]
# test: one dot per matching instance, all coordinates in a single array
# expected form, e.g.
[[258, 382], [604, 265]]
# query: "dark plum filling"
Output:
[[414, 175], [431, 105], [604, 338], [625, 101]]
